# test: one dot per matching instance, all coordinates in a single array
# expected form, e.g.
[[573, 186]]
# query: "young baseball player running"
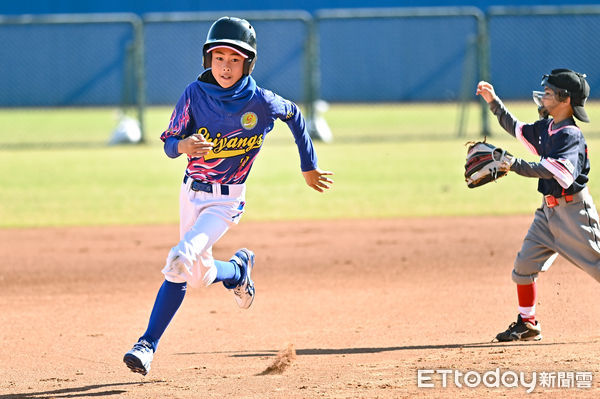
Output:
[[220, 122], [566, 223]]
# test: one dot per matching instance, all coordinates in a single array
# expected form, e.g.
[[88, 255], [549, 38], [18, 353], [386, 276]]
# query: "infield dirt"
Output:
[[364, 303]]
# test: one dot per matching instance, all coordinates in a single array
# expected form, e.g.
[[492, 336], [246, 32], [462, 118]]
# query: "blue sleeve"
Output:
[[179, 125], [171, 147], [289, 112]]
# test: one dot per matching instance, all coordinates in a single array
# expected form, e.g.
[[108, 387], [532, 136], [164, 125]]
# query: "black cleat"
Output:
[[521, 331]]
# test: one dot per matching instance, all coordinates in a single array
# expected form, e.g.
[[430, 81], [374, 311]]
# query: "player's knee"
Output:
[[201, 276], [523, 279], [180, 268], [527, 268], [177, 269], [208, 276]]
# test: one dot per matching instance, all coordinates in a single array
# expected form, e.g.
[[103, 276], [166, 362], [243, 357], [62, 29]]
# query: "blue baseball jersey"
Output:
[[236, 120], [563, 152]]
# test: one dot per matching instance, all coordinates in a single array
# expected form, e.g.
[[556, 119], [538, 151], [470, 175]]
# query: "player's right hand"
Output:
[[486, 90], [195, 146]]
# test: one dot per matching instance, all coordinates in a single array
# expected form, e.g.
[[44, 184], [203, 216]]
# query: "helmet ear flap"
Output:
[[207, 59], [249, 65], [563, 95]]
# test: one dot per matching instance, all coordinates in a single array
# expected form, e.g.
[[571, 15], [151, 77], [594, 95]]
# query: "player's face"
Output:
[[227, 66], [550, 100]]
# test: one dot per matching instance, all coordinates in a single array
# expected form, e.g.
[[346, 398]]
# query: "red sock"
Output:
[[527, 296]]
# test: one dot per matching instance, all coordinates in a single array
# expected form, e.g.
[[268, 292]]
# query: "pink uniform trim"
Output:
[[561, 174], [522, 139], [552, 131], [227, 47]]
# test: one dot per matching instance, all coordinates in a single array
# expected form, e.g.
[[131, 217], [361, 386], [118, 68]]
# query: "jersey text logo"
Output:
[[229, 145]]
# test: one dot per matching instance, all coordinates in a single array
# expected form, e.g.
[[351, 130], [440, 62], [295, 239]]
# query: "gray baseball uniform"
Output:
[[567, 221]]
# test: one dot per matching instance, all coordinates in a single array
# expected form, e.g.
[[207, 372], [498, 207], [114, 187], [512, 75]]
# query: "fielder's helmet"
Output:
[[233, 32], [568, 83]]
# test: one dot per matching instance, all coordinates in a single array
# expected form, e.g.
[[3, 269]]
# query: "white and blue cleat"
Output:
[[244, 291], [138, 359]]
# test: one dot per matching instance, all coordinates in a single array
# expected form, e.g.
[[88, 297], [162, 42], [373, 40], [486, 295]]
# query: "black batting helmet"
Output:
[[233, 32]]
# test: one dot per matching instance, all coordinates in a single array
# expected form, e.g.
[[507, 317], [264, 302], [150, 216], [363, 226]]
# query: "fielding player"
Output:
[[566, 223]]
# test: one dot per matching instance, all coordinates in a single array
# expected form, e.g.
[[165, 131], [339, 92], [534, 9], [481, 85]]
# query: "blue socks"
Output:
[[169, 298], [228, 272]]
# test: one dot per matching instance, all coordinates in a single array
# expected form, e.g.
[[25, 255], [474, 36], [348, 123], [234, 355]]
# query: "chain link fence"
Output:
[[399, 55], [72, 61], [173, 47], [396, 54], [525, 43]]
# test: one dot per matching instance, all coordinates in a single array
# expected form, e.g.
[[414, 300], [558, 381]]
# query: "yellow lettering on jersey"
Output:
[[227, 147]]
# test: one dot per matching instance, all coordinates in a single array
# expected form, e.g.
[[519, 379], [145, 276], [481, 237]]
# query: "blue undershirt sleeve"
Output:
[[170, 147]]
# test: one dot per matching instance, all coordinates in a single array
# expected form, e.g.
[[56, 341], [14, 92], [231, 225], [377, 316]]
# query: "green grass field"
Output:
[[389, 160]]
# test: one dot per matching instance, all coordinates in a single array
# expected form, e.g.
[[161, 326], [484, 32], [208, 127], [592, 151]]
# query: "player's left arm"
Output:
[[561, 164], [289, 112], [315, 178], [530, 169]]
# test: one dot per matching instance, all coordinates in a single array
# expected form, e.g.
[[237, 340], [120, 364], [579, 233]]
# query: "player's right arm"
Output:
[[179, 138], [514, 128], [195, 146], [486, 90], [505, 118]]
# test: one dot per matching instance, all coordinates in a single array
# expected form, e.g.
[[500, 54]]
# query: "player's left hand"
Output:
[[485, 163], [317, 179]]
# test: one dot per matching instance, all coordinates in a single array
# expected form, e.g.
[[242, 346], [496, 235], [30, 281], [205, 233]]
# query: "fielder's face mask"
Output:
[[537, 97], [561, 94]]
